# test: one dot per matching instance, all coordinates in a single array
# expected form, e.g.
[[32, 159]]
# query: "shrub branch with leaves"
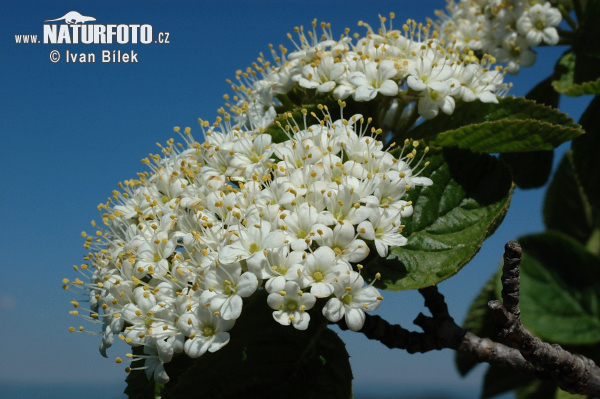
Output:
[[344, 168]]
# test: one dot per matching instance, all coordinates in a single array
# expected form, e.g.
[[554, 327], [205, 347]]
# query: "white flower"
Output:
[[538, 24], [431, 78], [284, 266], [304, 225], [225, 288], [250, 245], [384, 230], [321, 270], [206, 331], [352, 299], [152, 257], [154, 365], [251, 155], [376, 78], [515, 52], [344, 243], [323, 75], [291, 305]]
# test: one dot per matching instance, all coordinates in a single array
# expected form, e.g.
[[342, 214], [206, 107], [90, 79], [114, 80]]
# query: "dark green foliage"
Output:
[[469, 198]]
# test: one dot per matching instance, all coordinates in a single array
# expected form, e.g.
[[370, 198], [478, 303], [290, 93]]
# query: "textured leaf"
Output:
[[479, 321], [566, 208], [508, 135], [565, 83], [469, 198], [560, 289], [266, 360], [513, 125], [532, 169]]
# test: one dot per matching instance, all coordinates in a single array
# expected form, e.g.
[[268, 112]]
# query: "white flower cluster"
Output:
[[408, 65], [213, 222], [504, 29]]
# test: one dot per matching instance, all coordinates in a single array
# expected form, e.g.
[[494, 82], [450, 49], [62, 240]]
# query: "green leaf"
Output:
[[480, 321], [513, 125], [565, 83], [468, 199], [508, 136], [566, 208], [532, 169], [265, 359], [560, 289]]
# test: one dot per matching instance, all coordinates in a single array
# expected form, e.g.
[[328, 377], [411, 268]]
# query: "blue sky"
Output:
[[70, 132]]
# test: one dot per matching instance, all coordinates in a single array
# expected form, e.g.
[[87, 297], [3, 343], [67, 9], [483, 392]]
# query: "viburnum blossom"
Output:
[[182, 247], [504, 29], [351, 299], [273, 201], [409, 64]]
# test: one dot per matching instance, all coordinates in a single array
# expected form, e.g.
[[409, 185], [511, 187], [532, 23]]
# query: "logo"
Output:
[[73, 18], [77, 31], [76, 28]]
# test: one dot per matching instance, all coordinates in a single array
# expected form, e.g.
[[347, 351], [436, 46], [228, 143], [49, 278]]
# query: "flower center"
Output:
[[301, 234], [208, 331], [318, 276], [229, 290], [254, 248], [157, 257], [292, 305], [539, 25], [282, 270], [347, 299]]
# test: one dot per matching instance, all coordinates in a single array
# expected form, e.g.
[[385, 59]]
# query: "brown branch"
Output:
[[440, 332], [573, 373]]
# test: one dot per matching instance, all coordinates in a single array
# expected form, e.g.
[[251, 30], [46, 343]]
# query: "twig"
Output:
[[572, 373]]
